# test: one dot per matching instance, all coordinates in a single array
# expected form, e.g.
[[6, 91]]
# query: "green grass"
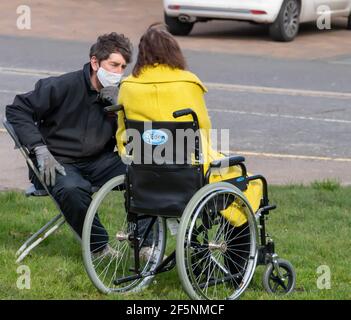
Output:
[[311, 227]]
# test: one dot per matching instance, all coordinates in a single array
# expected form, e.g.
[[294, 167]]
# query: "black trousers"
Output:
[[73, 192]]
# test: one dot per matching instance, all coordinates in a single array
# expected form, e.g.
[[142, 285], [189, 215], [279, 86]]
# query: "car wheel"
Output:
[[286, 26], [177, 27]]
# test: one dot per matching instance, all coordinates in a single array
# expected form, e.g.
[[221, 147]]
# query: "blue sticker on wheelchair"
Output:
[[240, 179], [155, 137]]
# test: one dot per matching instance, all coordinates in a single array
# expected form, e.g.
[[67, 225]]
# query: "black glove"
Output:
[[108, 95], [48, 165]]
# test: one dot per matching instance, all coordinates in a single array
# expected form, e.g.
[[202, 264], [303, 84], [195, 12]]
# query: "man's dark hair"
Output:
[[112, 43]]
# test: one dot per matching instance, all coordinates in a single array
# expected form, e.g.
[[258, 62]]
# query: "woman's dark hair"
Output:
[[111, 43], [157, 45]]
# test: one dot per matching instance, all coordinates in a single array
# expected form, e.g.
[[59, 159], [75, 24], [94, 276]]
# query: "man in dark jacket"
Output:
[[72, 139]]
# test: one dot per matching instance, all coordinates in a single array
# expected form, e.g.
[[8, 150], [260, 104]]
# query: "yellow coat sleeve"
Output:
[[121, 136]]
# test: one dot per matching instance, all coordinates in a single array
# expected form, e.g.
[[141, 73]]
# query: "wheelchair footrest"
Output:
[[127, 279]]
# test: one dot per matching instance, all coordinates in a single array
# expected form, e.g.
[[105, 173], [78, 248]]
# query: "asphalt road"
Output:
[[292, 118]]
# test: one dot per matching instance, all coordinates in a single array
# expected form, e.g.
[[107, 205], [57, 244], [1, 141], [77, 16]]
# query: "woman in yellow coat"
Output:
[[161, 85]]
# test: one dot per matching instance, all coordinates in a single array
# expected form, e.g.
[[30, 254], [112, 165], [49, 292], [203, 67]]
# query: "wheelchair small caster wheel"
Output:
[[281, 281]]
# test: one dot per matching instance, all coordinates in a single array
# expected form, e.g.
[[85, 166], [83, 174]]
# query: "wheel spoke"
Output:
[[212, 256], [117, 261]]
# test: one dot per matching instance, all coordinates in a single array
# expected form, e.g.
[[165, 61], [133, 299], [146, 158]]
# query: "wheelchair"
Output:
[[215, 258]]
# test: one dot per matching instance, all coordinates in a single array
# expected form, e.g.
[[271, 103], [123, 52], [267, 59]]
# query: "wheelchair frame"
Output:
[[266, 250]]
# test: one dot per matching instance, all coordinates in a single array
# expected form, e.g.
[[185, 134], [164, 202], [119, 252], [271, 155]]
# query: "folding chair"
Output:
[[55, 223]]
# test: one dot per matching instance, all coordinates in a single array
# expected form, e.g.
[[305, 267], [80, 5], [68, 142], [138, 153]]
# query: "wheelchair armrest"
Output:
[[227, 162]]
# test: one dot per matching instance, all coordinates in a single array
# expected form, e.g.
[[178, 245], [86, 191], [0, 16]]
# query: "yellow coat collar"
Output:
[[161, 74]]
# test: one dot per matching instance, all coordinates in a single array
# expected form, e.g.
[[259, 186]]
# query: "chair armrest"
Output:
[[9, 128], [227, 162]]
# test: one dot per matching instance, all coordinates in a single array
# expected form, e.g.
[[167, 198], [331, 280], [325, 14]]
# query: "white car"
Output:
[[283, 16]]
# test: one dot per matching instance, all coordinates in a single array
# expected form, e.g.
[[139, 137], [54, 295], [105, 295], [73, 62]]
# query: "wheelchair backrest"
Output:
[[165, 169]]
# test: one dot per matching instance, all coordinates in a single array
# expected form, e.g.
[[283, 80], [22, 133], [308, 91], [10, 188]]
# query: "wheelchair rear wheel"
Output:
[[108, 253], [215, 258]]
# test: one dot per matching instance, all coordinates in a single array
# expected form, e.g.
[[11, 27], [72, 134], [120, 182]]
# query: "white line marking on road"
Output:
[[347, 62], [279, 91], [276, 115], [210, 85], [272, 155], [29, 72], [10, 91], [286, 156], [233, 88]]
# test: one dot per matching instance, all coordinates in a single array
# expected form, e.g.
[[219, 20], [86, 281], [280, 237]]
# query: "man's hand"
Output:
[[108, 95], [48, 165]]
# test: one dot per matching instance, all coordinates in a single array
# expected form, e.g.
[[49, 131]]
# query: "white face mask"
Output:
[[108, 78]]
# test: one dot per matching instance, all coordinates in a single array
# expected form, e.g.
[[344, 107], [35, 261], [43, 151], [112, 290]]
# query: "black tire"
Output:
[[105, 268], [273, 284], [207, 241], [286, 27], [176, 27], [349, 22]]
